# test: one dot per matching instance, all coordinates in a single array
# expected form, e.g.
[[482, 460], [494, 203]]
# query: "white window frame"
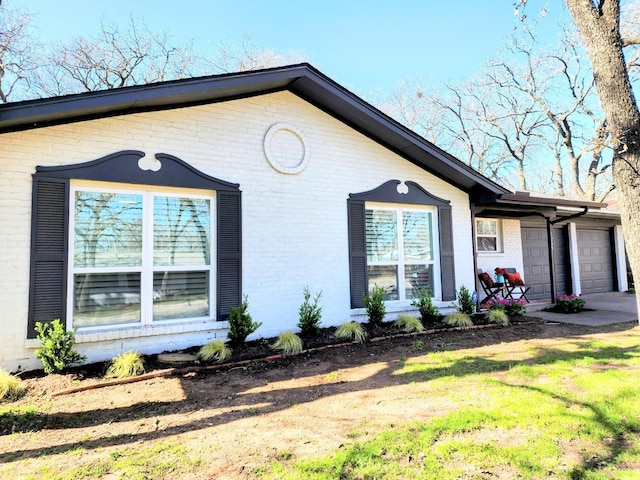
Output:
[[400, 263], [147, 268], [497, 236]]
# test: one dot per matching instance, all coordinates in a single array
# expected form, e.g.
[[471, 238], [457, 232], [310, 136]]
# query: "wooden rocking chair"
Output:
[[491, 288]]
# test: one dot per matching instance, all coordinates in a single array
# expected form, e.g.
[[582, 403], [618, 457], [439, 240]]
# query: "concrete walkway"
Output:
[[601, 309]]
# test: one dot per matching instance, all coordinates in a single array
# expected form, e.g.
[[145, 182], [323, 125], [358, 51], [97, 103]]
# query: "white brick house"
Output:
[[141, 215]]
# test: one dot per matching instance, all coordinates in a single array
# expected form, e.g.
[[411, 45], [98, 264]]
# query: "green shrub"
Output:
[[289, 343], [351, 331], [429, 313], [125, 365], [376, 308], [56, 352], [458, 319], [310, 314], [497, 315], [214, 351], [241, 325], [409, 323], [11, 387], [466, 303]]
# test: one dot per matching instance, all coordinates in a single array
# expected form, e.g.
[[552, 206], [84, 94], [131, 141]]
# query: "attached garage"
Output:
[[535, 258], [595, 260]]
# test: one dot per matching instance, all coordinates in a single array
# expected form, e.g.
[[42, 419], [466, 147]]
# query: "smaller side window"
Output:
[[487, 235]]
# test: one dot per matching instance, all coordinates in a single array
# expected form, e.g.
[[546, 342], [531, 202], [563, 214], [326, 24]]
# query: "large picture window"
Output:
[[139, 256], [400, 251]]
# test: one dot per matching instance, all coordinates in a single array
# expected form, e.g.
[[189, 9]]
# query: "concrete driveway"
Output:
[[601, 309]]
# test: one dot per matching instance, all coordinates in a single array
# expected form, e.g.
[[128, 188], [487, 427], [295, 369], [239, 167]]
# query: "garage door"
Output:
[[535, 257], [596, 264]]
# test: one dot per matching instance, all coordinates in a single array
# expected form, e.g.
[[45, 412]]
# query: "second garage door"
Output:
[[596, 263]]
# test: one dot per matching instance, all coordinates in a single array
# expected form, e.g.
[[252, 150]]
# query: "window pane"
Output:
[[416, 231], [487, 227], [382, 235], [181, 231], [106, 299], [180, 295], [487, 244], [384, 276], [107, 229], [417, 277]]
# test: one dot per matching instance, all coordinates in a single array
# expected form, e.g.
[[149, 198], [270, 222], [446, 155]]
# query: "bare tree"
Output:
[[16, 53], [115, 58], [599, 25], [229, 57]]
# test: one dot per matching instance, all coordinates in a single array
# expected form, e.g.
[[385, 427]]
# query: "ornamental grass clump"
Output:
[[351, 331], [409, 323], [56, 352], [11, 387], [458, 319], [310, 313], [214, 351], [570, 303], [126, 365], [497, 316], [288, 343]]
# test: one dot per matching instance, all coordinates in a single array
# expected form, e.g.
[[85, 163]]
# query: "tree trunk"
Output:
[[599, 25]]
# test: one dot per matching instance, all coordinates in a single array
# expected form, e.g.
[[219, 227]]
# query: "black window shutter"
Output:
[[229, 252], [357, 252], [447, 266], [49, 242]]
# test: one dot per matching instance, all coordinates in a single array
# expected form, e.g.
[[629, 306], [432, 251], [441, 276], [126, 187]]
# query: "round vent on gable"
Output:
[[285, 149]]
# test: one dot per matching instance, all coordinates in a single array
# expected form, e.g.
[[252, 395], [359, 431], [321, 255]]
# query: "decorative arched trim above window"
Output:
[[394, 191], [133, 166]]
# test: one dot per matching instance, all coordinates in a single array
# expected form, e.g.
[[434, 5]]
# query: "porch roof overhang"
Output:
[[554, 210], [302, 80]]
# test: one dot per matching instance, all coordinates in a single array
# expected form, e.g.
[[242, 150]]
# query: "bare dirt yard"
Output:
[[238, 418]]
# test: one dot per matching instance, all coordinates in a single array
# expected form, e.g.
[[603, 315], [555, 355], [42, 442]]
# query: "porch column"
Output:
[[574, 261], [620, 258]]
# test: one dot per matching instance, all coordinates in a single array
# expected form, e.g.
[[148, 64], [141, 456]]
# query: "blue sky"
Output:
[[367, 46]]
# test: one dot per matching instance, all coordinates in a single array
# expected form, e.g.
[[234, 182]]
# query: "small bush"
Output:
[[376, 308], [495, 315], [429, 313], [466, 303], [513, 307], [310, 314], [11, 387], [214, 351], [458, 319], [351, 331], [289, 343], [56, 352], [409, 323], [569, 303], [241, 325], [126, 365]]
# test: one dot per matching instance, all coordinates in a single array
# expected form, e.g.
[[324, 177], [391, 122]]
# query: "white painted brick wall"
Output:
[[294, 226], [510, 255]]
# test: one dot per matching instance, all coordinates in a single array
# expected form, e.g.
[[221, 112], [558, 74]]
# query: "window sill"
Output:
[[137, 331]]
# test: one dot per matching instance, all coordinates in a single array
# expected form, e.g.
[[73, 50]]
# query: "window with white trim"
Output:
[[401, 254], [488, 235], [139, 255]]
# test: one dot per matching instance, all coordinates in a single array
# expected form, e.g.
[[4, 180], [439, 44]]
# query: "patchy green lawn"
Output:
[[532, 401]]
